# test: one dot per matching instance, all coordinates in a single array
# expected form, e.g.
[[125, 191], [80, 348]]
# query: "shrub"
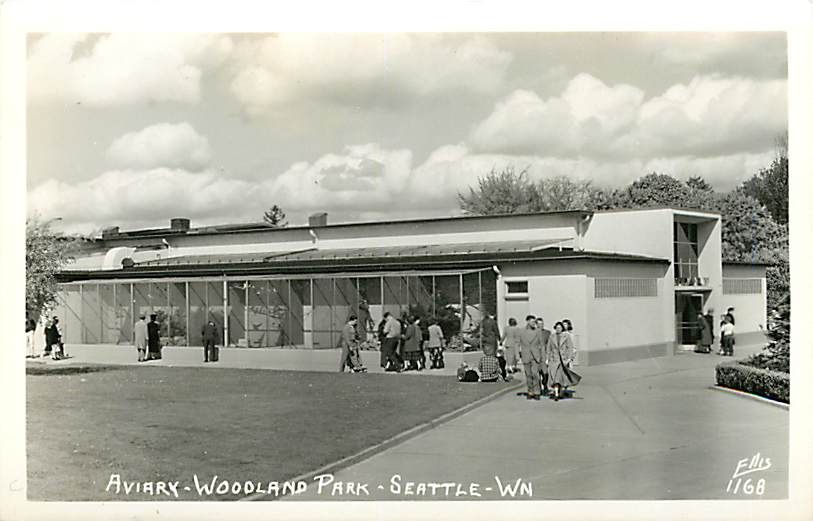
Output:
[[763, 382]]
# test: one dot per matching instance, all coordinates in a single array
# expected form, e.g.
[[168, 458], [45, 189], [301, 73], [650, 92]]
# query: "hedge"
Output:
[[763, 382]]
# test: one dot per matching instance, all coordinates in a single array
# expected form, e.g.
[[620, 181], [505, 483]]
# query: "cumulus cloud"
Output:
[[377, 68], [363, 182], [155, 195], [710, 115], [364, 176], [162, 144], [122, 68]]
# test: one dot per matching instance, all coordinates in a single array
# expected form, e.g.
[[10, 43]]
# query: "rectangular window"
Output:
[[685, 254], [742, 286], [625, 288], [516, 287]]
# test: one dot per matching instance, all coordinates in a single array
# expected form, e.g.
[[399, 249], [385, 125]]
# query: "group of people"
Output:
[[54, 347], [147, 338], [546, 357], [705, 332], [404, 343]]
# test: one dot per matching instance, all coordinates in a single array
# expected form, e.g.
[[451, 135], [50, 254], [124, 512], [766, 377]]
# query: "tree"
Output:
[[698, 183], [749, 232], [501, 192], [46, 253], [770, 185], [275, 217], [562, 193], [654, 190]]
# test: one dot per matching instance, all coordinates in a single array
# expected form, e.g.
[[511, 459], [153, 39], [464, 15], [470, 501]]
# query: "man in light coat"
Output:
[[544, 335], [530, 352], [140, 340], [350, 356]]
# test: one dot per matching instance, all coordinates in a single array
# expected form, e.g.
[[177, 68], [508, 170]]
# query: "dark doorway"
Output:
[[687, 307]]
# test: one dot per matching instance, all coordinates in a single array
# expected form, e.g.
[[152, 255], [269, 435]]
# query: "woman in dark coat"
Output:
[[412, 345], [704, 336], [154, 338]]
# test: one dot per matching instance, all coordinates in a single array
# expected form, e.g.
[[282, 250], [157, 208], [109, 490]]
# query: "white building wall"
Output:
[[750, 309], [554, 292], [624, 322]]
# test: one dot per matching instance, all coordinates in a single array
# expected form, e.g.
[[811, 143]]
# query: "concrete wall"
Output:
[[643, 232], [750, 309], [625, 328]]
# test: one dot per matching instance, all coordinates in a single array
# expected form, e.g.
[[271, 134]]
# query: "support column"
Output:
[[225, 312], [186, 305]]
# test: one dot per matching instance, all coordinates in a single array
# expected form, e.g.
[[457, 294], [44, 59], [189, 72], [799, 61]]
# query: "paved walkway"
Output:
[[650, 429]]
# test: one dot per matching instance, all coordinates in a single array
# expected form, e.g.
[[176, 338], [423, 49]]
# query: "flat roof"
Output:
[[309, 261], [262, 227]]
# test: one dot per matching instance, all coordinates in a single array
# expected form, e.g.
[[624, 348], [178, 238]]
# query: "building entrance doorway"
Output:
[[687, 307]]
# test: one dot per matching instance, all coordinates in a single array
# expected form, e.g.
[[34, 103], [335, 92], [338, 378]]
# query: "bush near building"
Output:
[[762, 382], [767, 373]]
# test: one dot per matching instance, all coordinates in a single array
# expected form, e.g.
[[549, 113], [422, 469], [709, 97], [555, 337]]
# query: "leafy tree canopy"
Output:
[[46, 253]]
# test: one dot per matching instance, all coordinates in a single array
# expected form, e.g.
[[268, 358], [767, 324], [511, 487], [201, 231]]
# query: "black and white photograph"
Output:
[[467, 271]]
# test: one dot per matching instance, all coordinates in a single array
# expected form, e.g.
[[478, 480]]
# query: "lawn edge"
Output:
[[389, 442], [743, 394]]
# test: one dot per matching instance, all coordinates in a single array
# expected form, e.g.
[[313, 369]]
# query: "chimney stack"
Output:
[[179, 224], [317, 219], [109, 233]]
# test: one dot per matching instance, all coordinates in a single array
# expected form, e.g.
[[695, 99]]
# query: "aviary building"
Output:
[[631, 281]]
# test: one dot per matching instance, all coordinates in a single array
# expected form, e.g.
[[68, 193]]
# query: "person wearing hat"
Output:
[[210, 337], [140, 337], [154, 338]]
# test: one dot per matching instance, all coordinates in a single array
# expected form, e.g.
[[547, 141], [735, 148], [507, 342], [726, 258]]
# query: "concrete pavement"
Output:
[[649, 429]]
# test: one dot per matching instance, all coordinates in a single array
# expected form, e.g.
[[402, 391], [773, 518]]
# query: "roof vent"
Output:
[[317, 219], [179, 224]]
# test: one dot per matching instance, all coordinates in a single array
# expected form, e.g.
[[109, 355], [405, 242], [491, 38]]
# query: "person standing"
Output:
[[560, 354], [510, 344], [730, 314], [140, 338], [704, 338], [382, 337], [30, 329], [154, 338], [530, 352], [364, 322], [709, 316], [210, 337], [727, 336], [392, 337], [490, 334], [544, 374], [412, 345], [350, 350], [53, 339], [435, 345]]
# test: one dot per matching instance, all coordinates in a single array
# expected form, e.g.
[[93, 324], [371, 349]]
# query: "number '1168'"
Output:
[[748, 486]]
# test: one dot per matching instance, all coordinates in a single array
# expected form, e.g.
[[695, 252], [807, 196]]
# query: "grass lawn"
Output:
[[168, 423]]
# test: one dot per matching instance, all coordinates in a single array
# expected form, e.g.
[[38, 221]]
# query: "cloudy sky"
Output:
[[133, 129]]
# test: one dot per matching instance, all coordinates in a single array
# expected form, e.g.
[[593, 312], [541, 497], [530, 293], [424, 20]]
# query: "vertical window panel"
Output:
[[197, 312]]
